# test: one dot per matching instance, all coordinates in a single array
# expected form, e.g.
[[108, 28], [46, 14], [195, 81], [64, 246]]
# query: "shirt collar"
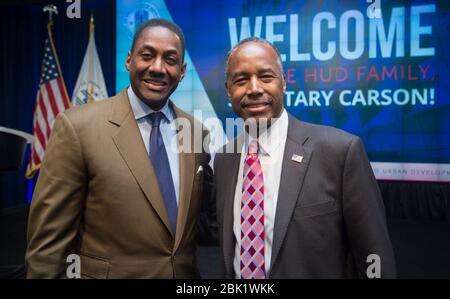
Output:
[[270, 141], [141, 110]]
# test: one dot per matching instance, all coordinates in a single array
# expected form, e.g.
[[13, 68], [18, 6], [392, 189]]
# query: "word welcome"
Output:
[[337, 30]]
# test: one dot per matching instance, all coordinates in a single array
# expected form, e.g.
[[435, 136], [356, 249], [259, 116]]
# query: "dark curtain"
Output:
[[416, 200], [23, 29]]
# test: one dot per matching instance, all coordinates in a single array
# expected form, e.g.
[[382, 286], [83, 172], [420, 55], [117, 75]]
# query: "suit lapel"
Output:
[[128, 141], [228, 209], [291, 181], [187, 165], [187, 174]]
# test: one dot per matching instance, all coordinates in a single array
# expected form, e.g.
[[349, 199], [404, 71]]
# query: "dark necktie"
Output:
[[160, 162]]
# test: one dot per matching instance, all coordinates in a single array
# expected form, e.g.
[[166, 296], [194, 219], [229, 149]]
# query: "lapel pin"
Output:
[[297, 158]]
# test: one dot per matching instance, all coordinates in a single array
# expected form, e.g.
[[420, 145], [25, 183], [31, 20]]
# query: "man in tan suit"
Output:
[[112, 189]]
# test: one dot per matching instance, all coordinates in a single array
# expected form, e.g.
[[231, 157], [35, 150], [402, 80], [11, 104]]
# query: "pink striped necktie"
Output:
[[252, 217]]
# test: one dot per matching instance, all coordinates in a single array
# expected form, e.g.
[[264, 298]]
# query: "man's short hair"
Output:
[[258, 40], [157, 22]]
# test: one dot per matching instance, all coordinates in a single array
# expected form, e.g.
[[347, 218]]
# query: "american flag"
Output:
[[51, 99]]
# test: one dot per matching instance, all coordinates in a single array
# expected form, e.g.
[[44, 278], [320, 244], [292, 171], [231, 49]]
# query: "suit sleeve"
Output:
[[219, 212], [364, 214], [57, 205]]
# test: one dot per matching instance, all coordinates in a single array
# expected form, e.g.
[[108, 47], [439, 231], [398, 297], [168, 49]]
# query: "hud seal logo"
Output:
[[136, 17], [88, 92]]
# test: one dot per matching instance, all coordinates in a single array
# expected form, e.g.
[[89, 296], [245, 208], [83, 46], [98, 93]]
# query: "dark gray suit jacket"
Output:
[[330, 215]]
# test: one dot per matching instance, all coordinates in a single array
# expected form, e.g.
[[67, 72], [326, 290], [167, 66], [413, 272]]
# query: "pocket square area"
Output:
[[200, 168]]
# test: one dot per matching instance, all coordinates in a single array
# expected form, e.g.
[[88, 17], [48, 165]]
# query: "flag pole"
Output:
[[51, 10], [91, 32]]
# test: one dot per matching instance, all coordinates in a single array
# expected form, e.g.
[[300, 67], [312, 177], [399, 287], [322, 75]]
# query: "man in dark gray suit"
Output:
[[301, 201]]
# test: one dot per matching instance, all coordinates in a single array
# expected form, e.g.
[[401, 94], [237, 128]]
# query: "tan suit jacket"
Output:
[[97, 196]]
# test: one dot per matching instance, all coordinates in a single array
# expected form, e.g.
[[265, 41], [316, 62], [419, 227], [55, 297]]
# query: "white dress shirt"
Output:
[[168, 130], [271, 151]]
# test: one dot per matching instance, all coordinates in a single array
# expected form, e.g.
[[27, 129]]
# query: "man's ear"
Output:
[[183, 71], [128, 61], [284, 84], [226, 88]]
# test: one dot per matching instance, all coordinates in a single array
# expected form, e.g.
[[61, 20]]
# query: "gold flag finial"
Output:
[[91, 23]]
